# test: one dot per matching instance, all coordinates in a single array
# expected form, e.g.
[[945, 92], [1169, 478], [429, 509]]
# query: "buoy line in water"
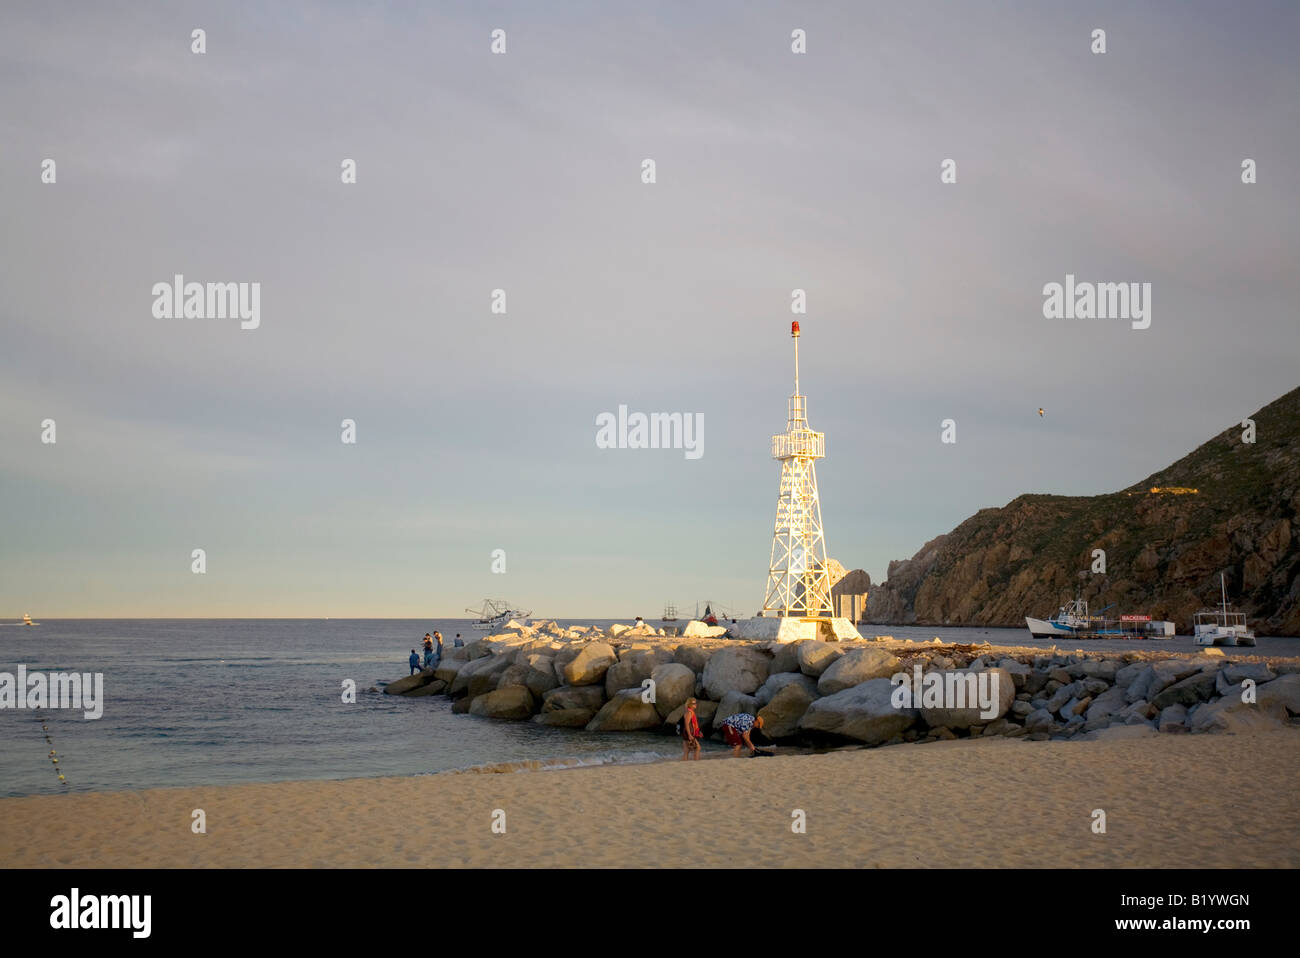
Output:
[[53, 755]]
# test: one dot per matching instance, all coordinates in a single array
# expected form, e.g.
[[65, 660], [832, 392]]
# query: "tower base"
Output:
[[794, 629]]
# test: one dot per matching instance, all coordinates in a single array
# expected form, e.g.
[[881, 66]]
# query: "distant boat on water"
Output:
[[27, 620], [1221, 626], [1073, 621], [670, 613], [494, 614]]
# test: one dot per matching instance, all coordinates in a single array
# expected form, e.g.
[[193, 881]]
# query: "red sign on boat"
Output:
[[1135, 618]]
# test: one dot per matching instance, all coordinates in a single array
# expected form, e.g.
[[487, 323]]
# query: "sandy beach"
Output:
[[1172, 801]]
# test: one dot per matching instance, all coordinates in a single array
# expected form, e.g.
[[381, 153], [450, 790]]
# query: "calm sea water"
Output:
[[199, 702]]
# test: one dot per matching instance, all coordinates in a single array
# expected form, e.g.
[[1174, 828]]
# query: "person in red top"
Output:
[[690, 732]]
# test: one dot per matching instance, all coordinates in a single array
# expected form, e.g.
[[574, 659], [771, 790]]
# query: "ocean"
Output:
[[225, 701]]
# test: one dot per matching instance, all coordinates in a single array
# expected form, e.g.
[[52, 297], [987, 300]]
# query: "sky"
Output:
[[523, 171]]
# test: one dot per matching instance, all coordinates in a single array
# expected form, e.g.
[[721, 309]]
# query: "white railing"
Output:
[[802, 444]]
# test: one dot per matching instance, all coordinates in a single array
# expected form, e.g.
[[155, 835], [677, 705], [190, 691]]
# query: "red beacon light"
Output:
[[794, 328]]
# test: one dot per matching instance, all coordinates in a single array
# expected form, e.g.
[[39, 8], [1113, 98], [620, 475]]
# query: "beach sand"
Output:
[[1170, 801]]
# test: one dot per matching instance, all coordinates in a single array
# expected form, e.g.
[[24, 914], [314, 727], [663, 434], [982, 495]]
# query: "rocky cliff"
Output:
[[1230, 506]]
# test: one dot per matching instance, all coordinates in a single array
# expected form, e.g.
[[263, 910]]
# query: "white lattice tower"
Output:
[[798, 582]]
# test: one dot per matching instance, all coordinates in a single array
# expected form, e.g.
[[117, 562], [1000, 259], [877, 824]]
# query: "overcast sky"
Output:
[[522, 171]]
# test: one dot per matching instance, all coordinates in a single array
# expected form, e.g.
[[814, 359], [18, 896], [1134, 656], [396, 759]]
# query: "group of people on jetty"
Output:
[[432, 652]]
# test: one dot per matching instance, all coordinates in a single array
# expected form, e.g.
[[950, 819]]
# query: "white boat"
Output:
[[495, 614], [27, 620], [1221, 626]]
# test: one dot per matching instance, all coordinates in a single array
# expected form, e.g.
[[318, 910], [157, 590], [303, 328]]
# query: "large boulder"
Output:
[[436, 687], [490, 666], [1231, 714], [674, 683], [960, 688], [540, 677], [633, 669], [489, 677], [816, 656], [1169, 671], [864, 713], [1257, 672], [563, 658], [1283, 691], [779, 680], [408, 684], [856, 666], [737, 669], [785, 657], [734, 703], [574, 697], [1137, 688], [781, 715], [511, 702], [694, 657], [625, 712], [1173, 718], [1104, 706], [1019, 672], [590, 665], [698, 630], [565, 718], [448, 668], [1186, 692]]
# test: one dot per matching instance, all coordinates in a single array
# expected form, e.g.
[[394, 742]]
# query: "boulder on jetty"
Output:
[[590, 664], [625, 712], [694, 657], [782, 713], [816, 656], [574, 697], [511, 702], [698, 630], [633, 668], [409, 684], [863, 713], [855, 667], [735, 668], [776, 682], [565, 718], [734, 703], [674, 683], [999, 682]]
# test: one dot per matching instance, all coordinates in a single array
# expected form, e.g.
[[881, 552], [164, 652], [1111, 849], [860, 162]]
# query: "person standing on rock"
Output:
[[736, 730], [437, 652], [691, 734], [415, 662]]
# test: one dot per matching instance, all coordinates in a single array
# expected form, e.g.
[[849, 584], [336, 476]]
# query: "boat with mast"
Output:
[[494, 614], [1221, 626]]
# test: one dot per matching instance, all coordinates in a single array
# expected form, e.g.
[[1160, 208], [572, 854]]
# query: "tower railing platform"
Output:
[[803, 443]]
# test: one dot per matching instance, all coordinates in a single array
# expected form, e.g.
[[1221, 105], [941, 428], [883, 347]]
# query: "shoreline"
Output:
[[1170, 801]]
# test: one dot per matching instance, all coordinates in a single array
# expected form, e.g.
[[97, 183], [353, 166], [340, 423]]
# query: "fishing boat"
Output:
[[27, 620], [494, 614], [1075, 622], [1221, 626]]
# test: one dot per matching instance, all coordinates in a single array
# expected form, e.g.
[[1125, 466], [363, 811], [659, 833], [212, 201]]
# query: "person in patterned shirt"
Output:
[[736, 729]]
